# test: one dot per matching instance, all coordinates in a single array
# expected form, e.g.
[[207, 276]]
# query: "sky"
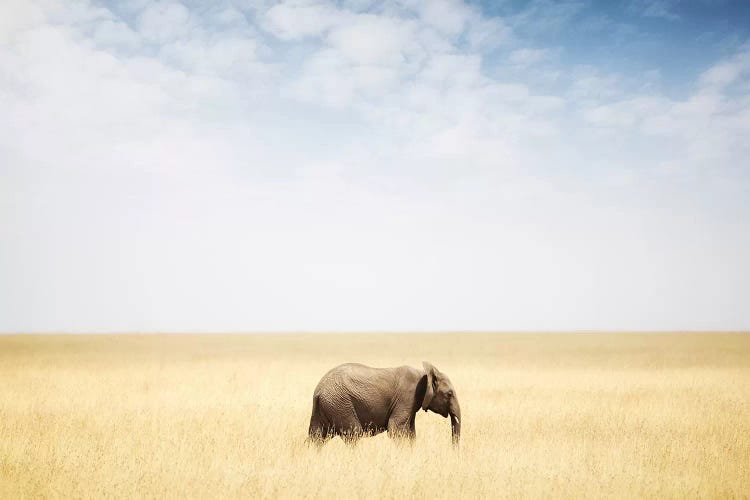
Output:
[[242, 166]]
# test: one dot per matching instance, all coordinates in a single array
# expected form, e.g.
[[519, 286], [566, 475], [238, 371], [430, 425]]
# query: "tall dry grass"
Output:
[[574, 415]]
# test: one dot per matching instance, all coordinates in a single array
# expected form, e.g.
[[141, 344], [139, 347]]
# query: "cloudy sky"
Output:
[[355, 165]]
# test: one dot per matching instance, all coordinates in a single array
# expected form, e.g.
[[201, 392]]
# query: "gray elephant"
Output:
[[353, 400]]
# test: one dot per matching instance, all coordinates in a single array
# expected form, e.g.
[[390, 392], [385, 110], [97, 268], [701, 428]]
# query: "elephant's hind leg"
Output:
[[319, 431], [351, 432], [348, 423], [337, 416], [318, 434]]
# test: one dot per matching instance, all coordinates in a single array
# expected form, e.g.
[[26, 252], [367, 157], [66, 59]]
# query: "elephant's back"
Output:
[[344, 377], [339, 373]]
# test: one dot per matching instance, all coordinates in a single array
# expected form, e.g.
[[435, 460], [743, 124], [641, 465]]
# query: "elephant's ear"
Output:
[[429, 390]]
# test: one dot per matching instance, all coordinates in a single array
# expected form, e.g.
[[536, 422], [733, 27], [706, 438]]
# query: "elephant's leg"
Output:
[[412, 428], [318, 434], [319, 431], [348, 426], [400, 427], [318, 440], [338, 414], [351, 431]]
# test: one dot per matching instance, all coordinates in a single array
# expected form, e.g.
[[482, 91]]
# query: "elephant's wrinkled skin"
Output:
[[353, 400]]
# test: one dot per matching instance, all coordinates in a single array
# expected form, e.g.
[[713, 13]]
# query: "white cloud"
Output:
[[164, 21], [527, 57], [727, 72], [487, 34], [330, 78], [116, 34], [234, 57], [447, 16], [704, 132], [16, 16], [369, 39], [298, 19], [590, 85], [624, 113], [546, 16], [229, 17]]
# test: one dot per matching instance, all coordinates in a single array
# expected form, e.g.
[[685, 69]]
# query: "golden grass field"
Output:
[[544, 415]]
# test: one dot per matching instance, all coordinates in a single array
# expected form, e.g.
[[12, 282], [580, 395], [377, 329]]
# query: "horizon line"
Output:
[[387, 332]]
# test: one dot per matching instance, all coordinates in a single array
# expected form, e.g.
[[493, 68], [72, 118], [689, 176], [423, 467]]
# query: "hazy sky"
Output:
[[250, 165]]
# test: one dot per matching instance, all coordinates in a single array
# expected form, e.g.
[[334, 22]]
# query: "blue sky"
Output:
[[316, 165], [677, 39]]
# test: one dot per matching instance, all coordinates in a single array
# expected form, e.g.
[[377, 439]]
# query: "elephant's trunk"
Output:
[[455, 413]]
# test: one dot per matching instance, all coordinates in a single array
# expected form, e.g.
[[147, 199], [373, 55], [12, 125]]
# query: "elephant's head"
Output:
[[440, 397]]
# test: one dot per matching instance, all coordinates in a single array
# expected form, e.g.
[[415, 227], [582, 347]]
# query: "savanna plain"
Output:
[[544, 415]]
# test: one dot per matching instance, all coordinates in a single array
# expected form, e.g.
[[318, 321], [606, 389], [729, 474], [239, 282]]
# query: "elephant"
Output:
[[353, 400]]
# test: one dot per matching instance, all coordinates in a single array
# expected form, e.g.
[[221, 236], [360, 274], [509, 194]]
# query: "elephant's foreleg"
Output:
[[401, 429]]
